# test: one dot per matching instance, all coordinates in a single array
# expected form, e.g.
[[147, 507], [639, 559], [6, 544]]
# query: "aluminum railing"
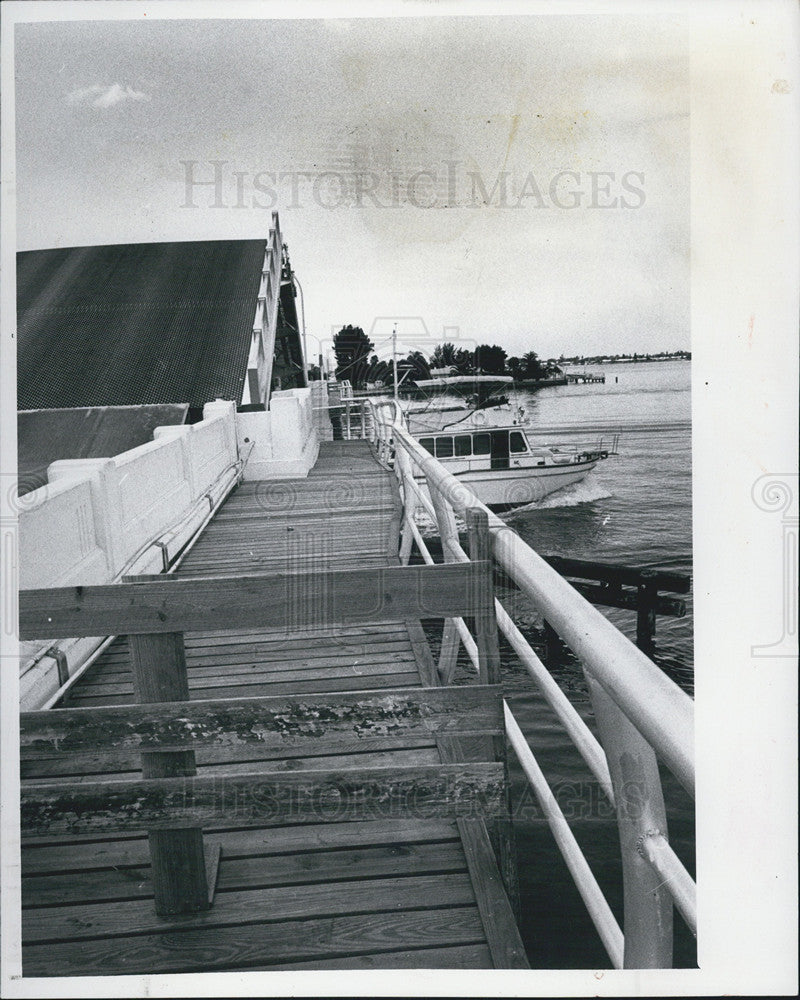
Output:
[[641, 715], [262, 346]]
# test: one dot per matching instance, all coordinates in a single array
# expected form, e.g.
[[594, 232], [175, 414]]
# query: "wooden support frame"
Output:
[[468, 790], [270, 722], [627, 587], [173, 604], [647, 594], [171, 802], [177, 857]]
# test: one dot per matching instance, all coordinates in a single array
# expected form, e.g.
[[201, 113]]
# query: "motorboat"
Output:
[[490, 450], [485, 441]]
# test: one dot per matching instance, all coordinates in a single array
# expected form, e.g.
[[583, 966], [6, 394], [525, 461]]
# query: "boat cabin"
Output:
[[498, 446]]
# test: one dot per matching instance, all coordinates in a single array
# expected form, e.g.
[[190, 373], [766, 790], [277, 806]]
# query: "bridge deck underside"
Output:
[[393, 894]]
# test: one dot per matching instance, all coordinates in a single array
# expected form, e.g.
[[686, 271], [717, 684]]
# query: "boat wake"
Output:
[[569, 496]]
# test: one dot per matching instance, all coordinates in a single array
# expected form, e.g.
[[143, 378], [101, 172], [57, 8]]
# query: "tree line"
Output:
[[356, 361]]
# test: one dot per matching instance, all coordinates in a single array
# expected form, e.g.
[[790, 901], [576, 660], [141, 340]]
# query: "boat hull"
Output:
[[508, 488]]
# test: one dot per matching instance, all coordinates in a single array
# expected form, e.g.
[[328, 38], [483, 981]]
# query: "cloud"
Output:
[[105, 97]]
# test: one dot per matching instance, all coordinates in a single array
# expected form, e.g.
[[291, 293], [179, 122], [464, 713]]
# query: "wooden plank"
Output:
[[270, 651], [475, 956], [175, 605], [355, 682], [83, 921], [401, 756], [272, 558], [226, 674], [87, 766], [176, 855], [252, 873], [448, 651], [499, 922], [422, 653], [240, 518], [315, 649], [231, 661], [280, 637], [114, 764], [264, 798], [269, 723], [678, 583], [281, 634], [121, 852], [249, 680], [297, 535], [613, 597], [397, 756], [329, 940]]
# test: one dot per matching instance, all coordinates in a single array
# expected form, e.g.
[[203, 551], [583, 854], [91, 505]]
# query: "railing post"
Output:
[[646, 597], [486, 621], [640, 814], [176, 856], [405, 473], [552, 644], [489, 659], [448, 532]]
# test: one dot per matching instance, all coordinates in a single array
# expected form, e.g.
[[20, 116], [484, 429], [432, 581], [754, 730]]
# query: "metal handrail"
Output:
[[583, 738], [640, 712], [603, 919], [662, 712]]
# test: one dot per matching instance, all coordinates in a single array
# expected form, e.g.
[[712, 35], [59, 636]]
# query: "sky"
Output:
[[521, 180]]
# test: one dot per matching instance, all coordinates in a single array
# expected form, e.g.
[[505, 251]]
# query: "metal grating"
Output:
[[136, 323]]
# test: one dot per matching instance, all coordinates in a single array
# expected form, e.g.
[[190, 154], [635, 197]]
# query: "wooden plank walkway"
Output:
[[395, 894]]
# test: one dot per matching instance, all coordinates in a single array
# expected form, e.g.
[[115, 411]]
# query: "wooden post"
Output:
[[552, 644], [176, 856], [485, 621], [502, 831], [646, 612], [448, 533]]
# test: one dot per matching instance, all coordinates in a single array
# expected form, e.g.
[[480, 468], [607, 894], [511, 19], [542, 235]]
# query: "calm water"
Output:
[[634, 509]]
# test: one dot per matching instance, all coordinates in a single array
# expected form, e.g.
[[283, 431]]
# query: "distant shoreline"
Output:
[[600, 360]]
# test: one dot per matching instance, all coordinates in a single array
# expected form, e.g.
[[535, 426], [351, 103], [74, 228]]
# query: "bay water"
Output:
[[635, 509]]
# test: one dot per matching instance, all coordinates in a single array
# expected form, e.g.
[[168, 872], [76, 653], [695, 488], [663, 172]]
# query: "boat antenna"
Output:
[[394, 359]]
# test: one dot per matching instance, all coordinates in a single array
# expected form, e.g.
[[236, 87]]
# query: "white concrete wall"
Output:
[[99, 519], [284, 439], [95, 515]]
